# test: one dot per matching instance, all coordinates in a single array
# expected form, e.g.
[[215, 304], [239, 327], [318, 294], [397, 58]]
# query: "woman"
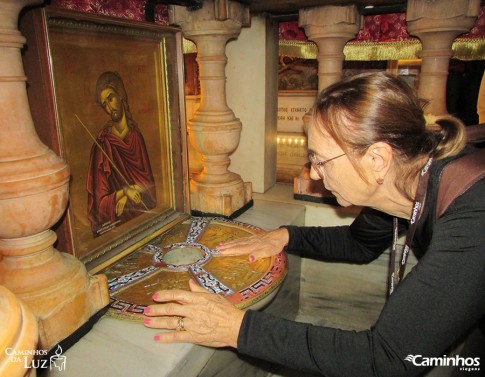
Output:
[[369, 143]]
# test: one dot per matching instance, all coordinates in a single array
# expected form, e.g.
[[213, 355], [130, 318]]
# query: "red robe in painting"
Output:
[[130, 157]]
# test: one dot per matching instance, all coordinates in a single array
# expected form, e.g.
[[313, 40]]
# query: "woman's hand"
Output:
[[194, 316], [257, 246]]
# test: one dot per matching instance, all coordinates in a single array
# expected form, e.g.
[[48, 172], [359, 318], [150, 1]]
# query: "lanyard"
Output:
[[398, 271]]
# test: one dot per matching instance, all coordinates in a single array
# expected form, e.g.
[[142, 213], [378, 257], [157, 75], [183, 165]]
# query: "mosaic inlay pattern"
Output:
[[188, 251]]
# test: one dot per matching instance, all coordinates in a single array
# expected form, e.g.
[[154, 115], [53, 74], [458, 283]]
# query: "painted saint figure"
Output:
[[120, 181]]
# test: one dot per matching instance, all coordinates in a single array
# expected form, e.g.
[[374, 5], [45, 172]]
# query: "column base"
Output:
[[74, 337], [229, 199], [74, 317], [18, 336], [56, 286], [231, 216], [310, 190]]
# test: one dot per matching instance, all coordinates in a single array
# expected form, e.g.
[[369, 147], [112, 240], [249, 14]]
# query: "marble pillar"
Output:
[[214, 130], [437, 24], [255, 55], [330, 27], [34, 188]]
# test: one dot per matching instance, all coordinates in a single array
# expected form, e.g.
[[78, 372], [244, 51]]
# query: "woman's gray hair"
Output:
[[379, 107]]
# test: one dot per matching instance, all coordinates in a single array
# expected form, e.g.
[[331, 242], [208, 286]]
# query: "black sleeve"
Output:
[[435, 304], [361, 242]]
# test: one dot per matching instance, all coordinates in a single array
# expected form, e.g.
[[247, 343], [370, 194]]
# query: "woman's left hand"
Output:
[[194, 316]]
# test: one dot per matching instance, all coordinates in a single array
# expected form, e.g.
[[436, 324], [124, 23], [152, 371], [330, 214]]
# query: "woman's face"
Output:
[[339, 175]]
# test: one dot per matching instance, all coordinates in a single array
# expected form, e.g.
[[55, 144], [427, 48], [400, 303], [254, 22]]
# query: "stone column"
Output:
[[255, 55], [437, 24], [18, 336], [33, 196], [330, 27], [214, 130]]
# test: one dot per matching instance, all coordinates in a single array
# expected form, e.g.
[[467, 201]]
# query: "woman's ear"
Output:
[[379, 157]]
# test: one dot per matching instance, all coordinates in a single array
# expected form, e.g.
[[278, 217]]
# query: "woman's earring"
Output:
[[380, 181]]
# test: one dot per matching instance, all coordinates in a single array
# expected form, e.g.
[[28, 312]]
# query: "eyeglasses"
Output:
[[318, 165]]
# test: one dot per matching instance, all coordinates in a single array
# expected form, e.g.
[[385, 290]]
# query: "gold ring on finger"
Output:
[[180, 324]]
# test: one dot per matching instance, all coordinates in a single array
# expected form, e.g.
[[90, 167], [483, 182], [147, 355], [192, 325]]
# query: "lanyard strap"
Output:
[[397, 272]]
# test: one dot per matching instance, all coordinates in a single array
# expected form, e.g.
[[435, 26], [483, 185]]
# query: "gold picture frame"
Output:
[[107, 95]]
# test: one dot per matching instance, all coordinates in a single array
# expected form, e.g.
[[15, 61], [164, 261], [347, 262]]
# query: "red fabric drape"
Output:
[[375, 28], [383, 28], [130, 9], [478, 30], [289, 31], [380, 28]]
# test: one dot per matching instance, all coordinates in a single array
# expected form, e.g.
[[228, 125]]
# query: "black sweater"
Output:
[[440, 299]]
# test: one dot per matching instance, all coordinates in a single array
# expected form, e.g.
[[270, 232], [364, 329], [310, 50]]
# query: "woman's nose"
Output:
[[313, 174]]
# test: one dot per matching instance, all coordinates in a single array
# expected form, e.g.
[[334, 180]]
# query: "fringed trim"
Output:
[[398, 50], [188, 47], [463, 49], [469, 48], [364, 51], [298, 49]]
